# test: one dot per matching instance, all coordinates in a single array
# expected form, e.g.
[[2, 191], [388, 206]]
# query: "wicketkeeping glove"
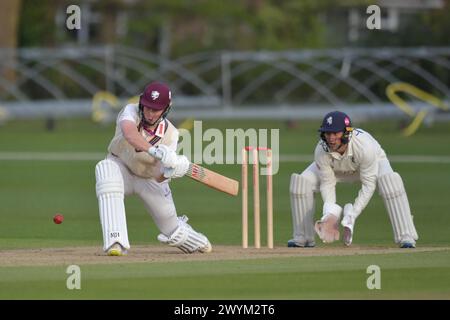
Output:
[[328, 227], [349, 216]]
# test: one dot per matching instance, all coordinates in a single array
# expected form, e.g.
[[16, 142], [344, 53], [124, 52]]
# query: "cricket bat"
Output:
[[210, 178], [213, 179]]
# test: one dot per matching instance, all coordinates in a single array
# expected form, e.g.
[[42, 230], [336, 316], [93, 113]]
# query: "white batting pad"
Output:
[[110, 194], [186, 239], [302, 208], [393, 192]]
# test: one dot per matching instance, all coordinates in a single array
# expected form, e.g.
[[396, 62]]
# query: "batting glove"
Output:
[[167, 156], [181, 167]]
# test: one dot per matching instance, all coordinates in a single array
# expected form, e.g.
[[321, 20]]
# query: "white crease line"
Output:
[[396, 158], [52, 156], [96, 156]]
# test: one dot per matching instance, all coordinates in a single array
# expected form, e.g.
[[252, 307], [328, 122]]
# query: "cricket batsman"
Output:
[[345, 154], [131, 168]]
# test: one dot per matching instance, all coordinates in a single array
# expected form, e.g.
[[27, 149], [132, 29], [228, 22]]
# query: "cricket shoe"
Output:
[[206, 249], [116, 250], [407, 243], [301, 244]]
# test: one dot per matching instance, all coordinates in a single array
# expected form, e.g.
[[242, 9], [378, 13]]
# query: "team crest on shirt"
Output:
[[330, 121], [155, 95]]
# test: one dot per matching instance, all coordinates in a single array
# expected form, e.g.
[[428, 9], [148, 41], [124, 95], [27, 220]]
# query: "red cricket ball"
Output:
[[58, 218]]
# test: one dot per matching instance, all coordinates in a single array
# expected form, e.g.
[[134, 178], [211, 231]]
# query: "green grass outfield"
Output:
[[32, 191], [421, 275]]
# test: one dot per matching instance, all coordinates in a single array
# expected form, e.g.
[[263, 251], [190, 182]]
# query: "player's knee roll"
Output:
[[108, 178], [300, 185], [390, 185]]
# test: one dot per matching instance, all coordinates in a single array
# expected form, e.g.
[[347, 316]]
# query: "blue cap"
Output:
[[335, 121]]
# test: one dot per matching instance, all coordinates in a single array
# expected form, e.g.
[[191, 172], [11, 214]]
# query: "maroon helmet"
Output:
[[156, 96]]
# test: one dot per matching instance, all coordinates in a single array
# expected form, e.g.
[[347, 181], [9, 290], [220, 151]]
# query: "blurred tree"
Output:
[[421, 29], [37, 23], [438, 22], [201, 25], [290, 24], [110, 10], [9, 16]]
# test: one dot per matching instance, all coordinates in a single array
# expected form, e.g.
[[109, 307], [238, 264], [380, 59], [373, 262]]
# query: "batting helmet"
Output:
[[336, 121], [156, 96]]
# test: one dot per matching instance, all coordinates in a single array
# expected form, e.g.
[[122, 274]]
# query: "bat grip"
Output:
[[156, 153]]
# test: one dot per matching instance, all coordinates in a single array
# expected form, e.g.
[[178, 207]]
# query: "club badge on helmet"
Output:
[[336, 121], [156, 96]]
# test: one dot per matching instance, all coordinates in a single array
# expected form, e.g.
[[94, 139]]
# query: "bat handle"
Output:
[[156, 152]]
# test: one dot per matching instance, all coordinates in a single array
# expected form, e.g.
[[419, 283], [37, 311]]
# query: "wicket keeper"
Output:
[[347, 154]]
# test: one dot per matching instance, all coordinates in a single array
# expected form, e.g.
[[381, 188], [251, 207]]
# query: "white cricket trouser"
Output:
[[392, 191], [157, 197], [302, 189]]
